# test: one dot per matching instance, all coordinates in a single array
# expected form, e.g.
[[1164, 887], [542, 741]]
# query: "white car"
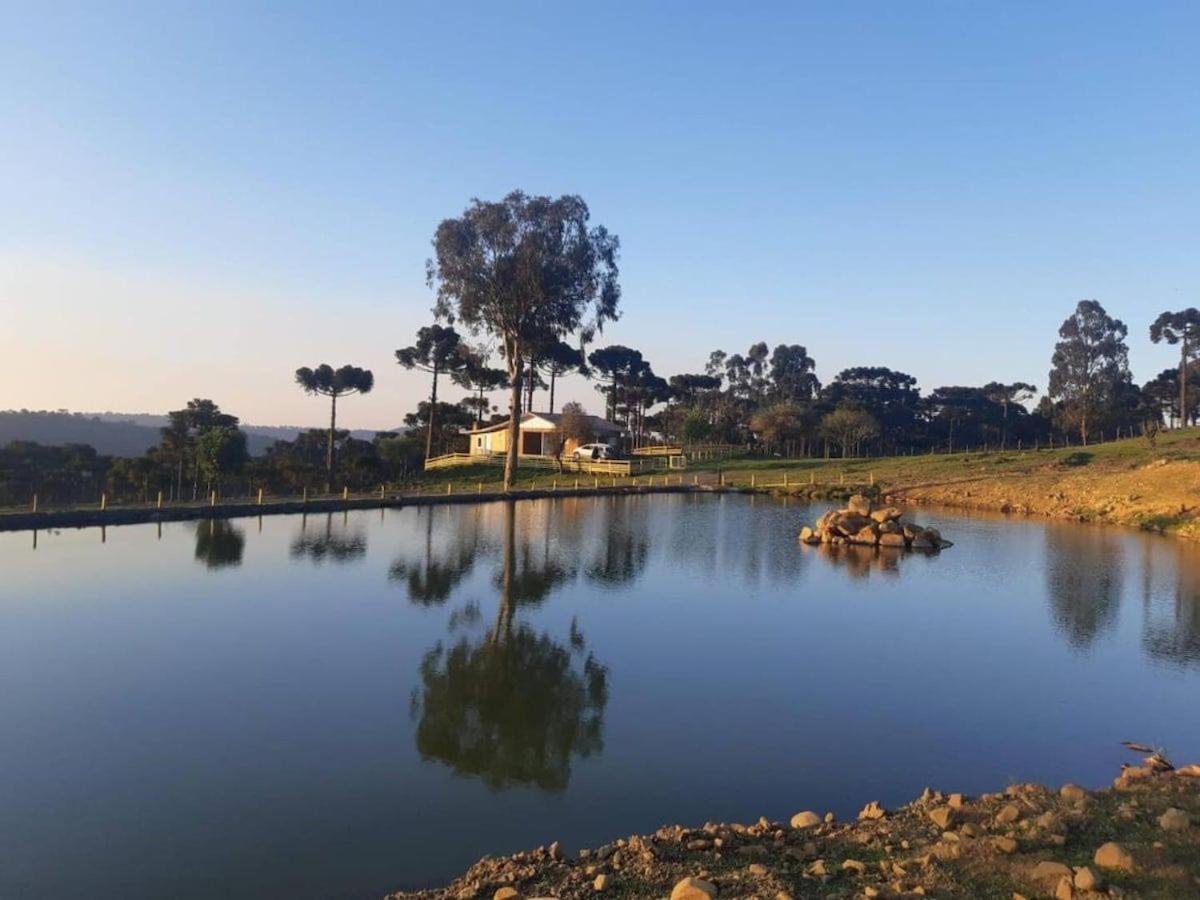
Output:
[[592, 451]]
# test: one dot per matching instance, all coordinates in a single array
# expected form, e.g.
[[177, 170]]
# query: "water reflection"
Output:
[[432, 579], [514, 706], [1171, 623], [861, 561], [326, 544], [1083, 581], [219, 543]]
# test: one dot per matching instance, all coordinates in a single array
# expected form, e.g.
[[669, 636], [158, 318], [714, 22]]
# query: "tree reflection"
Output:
[[515, 706], [624, 544], [1172, 628], [328, 545], [219, 543], [431, 580], [1083, 582]]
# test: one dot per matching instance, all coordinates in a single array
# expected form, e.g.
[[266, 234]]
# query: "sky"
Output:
[[199, 198]]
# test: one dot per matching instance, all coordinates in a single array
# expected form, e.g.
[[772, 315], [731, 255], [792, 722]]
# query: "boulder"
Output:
[[859, 504], [886, 514], [1113, 856], [943, 817], [921, 540], [806, 819], [1087, 880], [891, 527], [1072, 792], [892, 539], [850, 523], [1048, 870], [872, 811], [693, 889], [866, 536], [808, 536], [1008, 814], [506, 893], [600, 883], [1174, 820]]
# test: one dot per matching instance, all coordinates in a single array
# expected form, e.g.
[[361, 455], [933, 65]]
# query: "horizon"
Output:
[[215, 202]]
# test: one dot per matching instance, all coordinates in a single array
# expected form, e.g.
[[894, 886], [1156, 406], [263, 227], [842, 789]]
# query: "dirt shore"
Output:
[[1139, 838]]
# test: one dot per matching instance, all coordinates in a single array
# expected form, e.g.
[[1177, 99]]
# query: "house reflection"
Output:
[[513, 706]]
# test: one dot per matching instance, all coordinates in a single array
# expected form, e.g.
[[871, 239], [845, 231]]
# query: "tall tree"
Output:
[[792, 373], [1006, 394], [520, 268], [476, 375], [1182, 328], [326, 381], [185, 426], [438, 349], [559, 359], [616, 364], [1089, 365]]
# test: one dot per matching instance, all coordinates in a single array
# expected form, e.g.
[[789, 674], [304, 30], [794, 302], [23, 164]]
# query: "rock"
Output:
[[506, 893], [1005, 845], [808, 536], [943, 817], [556, 851], [850, 523], [892, 539], [886, 514], [872, 811], [1087, 880], [1072, 792], [806, 819], [1065, 889], [1174, 820], [971, 830], [956, 801], [817, 868], [922, 541], [757, 869], [601, 882], [1008, 814], [854, 865], [693, 889], [1048, 870], [1051, 822], [890, 527], [1113, 856], [866, 536], [859, 504]]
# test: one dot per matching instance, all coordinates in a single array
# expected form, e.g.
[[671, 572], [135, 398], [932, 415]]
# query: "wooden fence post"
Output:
[[104, 501], [212, 498], [305, 500], [159, 501], [35, 503], [345, 493], [260, 492]]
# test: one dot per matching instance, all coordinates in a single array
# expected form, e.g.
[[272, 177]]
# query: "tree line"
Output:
[[531, 283]]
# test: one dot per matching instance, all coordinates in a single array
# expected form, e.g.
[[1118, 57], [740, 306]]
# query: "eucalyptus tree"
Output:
[[1089, 367], [438, 349], [325, 381], [1182, 328], [1006, 394], [521, 268]]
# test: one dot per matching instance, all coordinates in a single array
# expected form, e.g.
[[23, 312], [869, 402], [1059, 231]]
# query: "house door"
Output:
[[531, 443]]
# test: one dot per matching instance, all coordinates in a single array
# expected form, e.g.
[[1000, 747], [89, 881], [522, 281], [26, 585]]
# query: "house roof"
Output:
[[550, 421]]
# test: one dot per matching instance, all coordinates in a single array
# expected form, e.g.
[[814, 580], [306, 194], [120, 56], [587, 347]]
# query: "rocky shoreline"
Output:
[[1139, 838]]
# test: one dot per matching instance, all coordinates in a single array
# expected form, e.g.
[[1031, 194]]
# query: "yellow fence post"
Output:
[[260, 496], [480, 491], [158, 503], [812, 477], [785, 479], [449, 487], [305, 496], [752, 479], [872, 476], [576, 484], [104, 501], [212, 499], [35, 502], [381, 492], [345, 493]]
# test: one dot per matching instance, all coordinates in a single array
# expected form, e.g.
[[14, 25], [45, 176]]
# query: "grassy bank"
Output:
[[1026, 841]]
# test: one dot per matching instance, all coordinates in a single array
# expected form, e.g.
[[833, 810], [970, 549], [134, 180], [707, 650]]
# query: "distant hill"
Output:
[[122, 434]]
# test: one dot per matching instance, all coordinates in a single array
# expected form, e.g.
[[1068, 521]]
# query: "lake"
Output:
[[338, 706]]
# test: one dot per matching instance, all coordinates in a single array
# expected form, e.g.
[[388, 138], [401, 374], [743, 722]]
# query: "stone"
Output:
[[506, 893], [1006, 845], [971, 830], [1051, 822], [1008, 814], [601, 882], [872, 811], [1087, 880], [854, 865], [885, 514], [956, 801], [806, 819], [892, 539], [922, 541], [1072, 792], [757, 869], [850, 523], [867, 536], [943, 817], [1174, 820], [859, 504], [890, 527], [1048, 870], [556, 851], [693, 889], [1113, 856], [817, 868], [808, 536], [1065, 889]]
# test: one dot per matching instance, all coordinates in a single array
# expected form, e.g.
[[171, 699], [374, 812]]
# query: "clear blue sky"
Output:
[[198, 198]]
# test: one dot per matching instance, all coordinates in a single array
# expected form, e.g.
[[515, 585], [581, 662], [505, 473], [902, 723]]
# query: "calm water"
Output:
[[350, 704]]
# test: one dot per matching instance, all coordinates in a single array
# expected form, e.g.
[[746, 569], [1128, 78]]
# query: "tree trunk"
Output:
[[1183, 373], [516, 369], [432, 414], [329, 445], [553, 373]]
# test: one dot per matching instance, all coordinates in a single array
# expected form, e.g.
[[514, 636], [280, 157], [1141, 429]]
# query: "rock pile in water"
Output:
[[859, 523]]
